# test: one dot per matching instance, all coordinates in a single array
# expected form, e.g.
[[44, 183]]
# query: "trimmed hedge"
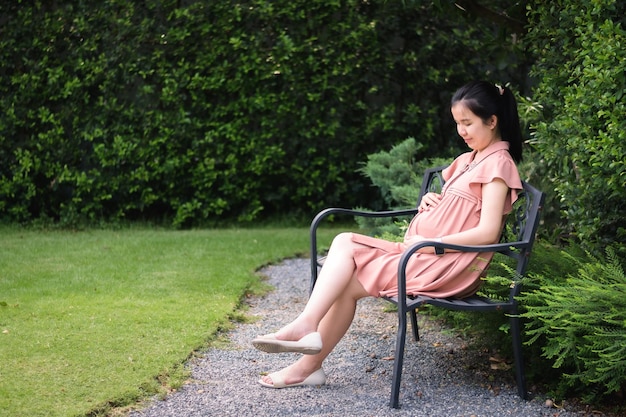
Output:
[[193, 112]]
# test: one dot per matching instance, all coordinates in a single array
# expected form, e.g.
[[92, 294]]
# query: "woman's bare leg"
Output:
[[336, 275], [330, 309]]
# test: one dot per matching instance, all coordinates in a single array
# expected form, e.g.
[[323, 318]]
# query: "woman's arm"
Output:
[[489, 227]]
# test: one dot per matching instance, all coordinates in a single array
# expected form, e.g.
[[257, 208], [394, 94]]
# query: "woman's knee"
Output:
[[343, 240], [343, 248]]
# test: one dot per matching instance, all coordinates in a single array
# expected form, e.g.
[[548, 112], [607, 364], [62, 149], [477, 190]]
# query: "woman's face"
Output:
[[477, 134]]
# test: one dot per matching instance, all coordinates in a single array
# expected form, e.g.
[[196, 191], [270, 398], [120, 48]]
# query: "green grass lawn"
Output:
[[97, 319]]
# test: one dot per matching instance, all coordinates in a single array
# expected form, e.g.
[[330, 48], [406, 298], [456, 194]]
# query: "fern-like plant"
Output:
[[582, 325]]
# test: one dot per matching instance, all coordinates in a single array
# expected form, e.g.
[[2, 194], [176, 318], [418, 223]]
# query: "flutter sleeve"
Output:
[[500, 166]]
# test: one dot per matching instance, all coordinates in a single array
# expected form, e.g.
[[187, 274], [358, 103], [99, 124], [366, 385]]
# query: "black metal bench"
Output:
[[516, 243]]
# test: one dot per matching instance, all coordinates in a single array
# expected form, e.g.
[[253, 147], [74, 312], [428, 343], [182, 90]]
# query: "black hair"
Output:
[[485, 99]]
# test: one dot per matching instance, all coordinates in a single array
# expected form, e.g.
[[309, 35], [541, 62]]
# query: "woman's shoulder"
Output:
[[501, 158]]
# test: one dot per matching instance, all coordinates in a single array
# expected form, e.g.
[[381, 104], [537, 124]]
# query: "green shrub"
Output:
[[397, 174]]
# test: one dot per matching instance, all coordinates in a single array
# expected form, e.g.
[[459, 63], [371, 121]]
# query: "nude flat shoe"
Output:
[[311, 344], [316, 378]]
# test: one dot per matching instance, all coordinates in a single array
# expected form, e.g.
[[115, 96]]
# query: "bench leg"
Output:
[[398, 361], [414, 326], [517, 352]]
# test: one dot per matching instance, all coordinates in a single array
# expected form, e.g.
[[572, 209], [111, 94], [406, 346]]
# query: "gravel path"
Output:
[[441, 376]]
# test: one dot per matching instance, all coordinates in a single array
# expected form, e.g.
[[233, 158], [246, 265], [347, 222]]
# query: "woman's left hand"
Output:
[[412, 240]]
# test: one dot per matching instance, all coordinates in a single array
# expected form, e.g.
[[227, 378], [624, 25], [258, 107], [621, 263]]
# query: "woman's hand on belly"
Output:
[[429, 200]]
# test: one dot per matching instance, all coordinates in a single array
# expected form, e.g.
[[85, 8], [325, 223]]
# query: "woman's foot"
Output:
[[295, 330], [298, 336], [311, 344], [293, 376]]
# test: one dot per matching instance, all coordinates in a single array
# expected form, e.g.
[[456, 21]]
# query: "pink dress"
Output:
[[454, 274]]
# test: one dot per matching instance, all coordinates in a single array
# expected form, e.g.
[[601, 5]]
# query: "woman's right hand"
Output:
[[429, 200]]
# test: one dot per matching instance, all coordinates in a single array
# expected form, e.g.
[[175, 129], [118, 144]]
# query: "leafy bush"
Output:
[[581, 134]]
